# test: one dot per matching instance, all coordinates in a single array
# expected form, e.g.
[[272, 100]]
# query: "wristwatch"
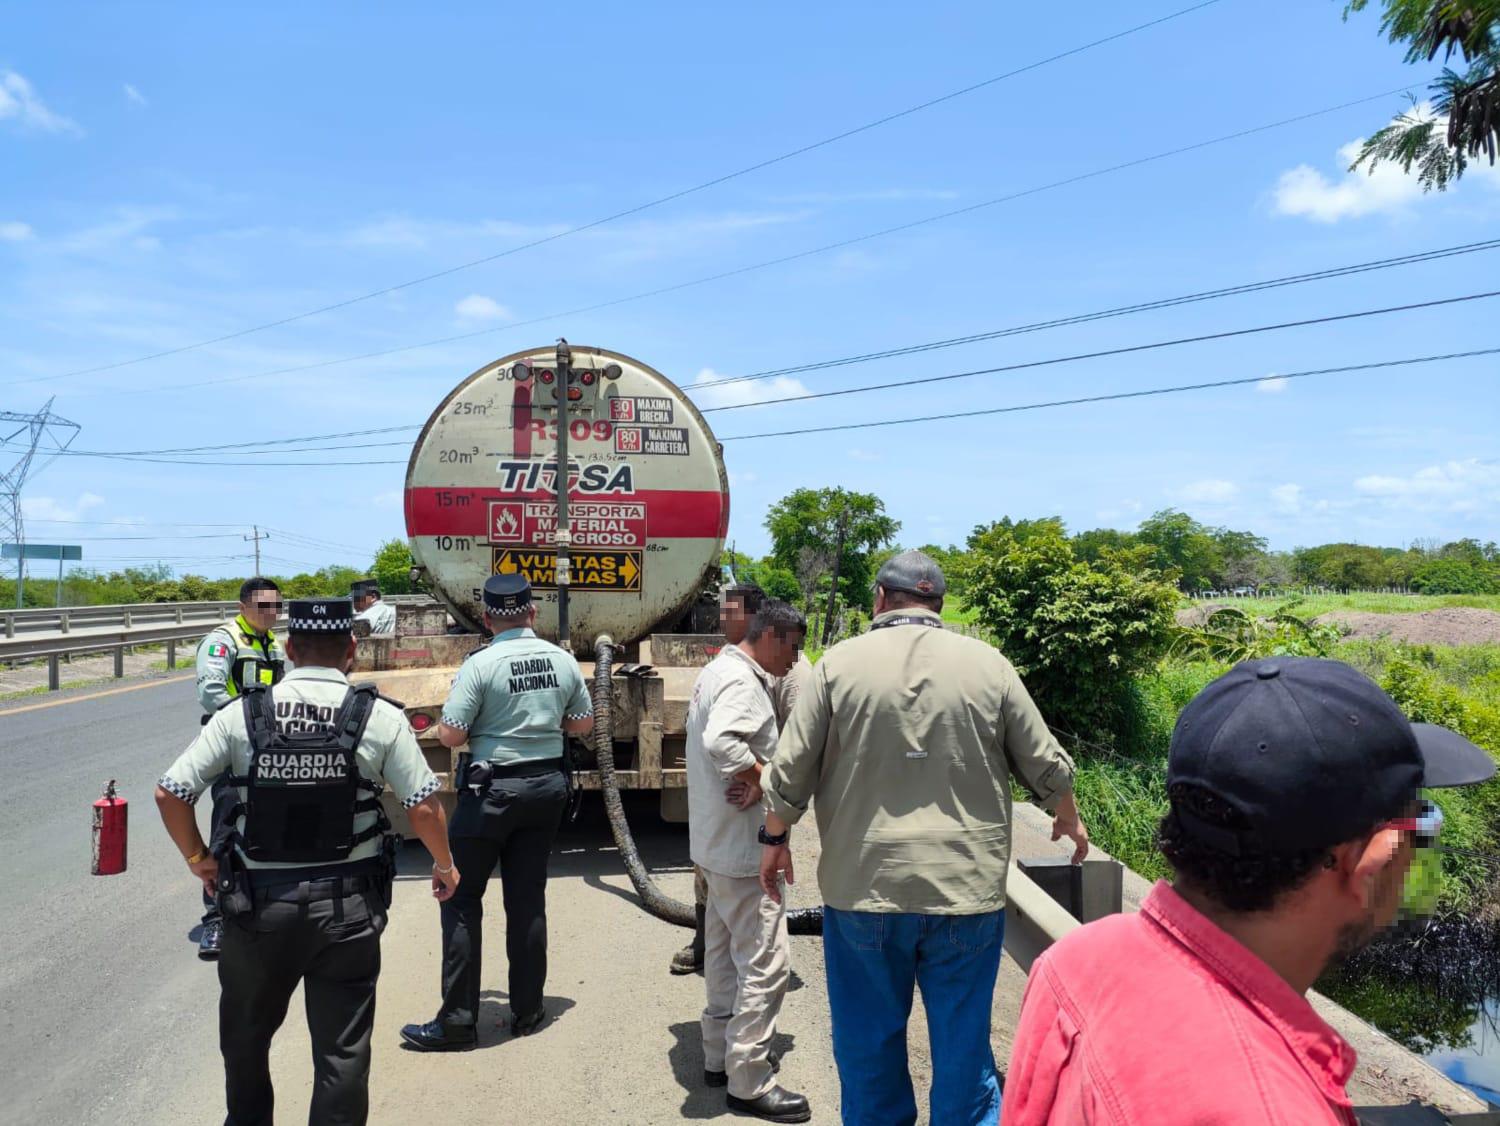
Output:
[[765, 838]]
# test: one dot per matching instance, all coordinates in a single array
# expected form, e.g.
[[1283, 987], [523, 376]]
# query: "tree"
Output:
[[1091, 546], [1076, 631], [1184, 546], [392, 567], [1469, 102], [804, 527]]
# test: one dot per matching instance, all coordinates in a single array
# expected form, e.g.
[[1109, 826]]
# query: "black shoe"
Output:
[[433, 1037], [721, 1078], [688, 960], [210, 940], [776, 1105], [525, 1026]]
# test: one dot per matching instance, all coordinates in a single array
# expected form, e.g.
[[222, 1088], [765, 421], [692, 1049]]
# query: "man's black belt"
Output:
[[325, 880], [525, 768]]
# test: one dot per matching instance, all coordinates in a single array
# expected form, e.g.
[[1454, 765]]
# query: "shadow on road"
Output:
[[686, 1058], [493, 1027]]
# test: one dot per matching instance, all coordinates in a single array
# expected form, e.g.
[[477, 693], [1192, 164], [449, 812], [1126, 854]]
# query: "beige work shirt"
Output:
[[731, 725], [906, 736], [786, 689]]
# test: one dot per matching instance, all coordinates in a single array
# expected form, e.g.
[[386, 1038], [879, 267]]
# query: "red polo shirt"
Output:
[[1160, 1018]]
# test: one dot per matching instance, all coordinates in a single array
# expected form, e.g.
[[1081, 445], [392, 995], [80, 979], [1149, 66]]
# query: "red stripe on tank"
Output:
[[670, 513]]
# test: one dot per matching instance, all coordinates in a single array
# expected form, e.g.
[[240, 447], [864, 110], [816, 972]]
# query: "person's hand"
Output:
[[207, 871], [743, 795], [444, 883], [1069, 824], [775, 862]]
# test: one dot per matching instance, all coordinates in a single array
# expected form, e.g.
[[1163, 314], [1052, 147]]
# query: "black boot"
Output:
[[776, 1105], [689, 960]]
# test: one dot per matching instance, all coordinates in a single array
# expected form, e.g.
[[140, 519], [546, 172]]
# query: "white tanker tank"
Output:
[[648, 505], [648, 494]]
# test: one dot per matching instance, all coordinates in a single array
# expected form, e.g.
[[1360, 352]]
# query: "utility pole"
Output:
[[563, 566], [833, 587], [256, 536], [44, 432]]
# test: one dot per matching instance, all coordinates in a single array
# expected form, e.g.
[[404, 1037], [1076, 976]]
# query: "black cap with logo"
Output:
[[320, 615], [1311, 753], [507, 595], [913, 572]]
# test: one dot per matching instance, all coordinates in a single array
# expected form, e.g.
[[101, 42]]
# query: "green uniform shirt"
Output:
[[308, 699], [908, 736], [230, 647], [512, 697]]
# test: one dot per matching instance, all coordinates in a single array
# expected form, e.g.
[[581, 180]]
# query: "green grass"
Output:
[[956, 611], [1314, 604]]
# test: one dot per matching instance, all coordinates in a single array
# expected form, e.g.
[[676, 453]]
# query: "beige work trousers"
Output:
[[746, 966]]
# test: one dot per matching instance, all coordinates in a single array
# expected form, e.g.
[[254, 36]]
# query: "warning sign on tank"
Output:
[[654, 410], [617, 571], [594, 523], [670, 440]]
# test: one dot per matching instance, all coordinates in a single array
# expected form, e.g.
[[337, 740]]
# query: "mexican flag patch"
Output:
[[218, 649]]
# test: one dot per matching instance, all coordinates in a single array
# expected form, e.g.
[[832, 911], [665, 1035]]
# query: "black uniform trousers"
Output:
[[326, 935], [513, 825]]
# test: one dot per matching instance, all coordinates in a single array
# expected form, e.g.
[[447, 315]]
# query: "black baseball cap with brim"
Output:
[[1311, 753]]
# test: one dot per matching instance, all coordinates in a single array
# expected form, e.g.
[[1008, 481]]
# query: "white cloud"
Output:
[[135, 95], [130, 229], [14, 231], [43, 509], [1287, 498], [864, 455], [19, 102], [1211, 491], [1272, 385], [747, 393], [392, 498], [477, 307], [1459, 486], [1307, 192]]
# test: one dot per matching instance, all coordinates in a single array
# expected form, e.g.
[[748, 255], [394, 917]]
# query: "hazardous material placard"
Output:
[[615, 571]]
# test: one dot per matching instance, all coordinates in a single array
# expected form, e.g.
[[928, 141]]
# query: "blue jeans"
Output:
[[873, 960]]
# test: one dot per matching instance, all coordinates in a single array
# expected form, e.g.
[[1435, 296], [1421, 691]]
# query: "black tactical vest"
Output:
[[303, 789]]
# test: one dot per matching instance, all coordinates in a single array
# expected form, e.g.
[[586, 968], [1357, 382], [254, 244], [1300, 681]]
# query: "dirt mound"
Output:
[[1453, 625]]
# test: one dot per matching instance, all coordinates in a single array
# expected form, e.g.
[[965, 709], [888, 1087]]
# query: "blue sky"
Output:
[[172, 174]]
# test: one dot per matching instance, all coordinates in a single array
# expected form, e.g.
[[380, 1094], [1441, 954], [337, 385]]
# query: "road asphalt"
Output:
[[110, 1018]]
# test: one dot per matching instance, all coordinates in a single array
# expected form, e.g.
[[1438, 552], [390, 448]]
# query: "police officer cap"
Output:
[[914, 573], [363, 586], [320, 615], [507, 595]]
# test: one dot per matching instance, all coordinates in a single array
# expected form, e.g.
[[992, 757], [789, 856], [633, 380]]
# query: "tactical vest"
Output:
[[303, 789], [250, 665]]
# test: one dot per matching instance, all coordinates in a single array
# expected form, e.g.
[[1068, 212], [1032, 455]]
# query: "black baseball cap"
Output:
[[913, 572], [320, 615], [1311, 753], [507, 595]]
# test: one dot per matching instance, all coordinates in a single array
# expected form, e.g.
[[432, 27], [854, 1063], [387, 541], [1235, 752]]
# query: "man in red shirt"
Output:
[[1294, 815]]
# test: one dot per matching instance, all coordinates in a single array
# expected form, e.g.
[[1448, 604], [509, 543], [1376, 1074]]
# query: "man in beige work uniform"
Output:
[[907, 736], [731, 733], [737, 605]]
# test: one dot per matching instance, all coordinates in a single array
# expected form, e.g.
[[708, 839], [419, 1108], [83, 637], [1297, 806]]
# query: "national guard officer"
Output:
[[304, 875], [368, 605], [233, 655], [515, 702]]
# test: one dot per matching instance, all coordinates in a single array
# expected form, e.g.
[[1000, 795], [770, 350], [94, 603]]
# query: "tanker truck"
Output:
[[623, 562]]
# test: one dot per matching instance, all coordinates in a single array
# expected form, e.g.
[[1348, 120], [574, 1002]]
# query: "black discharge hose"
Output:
[[804, 920]]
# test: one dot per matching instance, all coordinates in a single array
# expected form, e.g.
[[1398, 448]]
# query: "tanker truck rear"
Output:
[[647, 509]]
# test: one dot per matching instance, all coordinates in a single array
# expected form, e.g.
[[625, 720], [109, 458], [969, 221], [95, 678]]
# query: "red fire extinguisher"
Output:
[[109, 832]]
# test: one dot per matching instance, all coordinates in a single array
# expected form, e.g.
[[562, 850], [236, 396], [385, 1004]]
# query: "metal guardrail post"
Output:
[[171, 654], [126, 617], [54, 677], [179, 615], [67, 621], [10, 625], [119, 661]]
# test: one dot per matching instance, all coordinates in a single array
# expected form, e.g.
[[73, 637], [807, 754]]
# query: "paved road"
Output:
[[109, 1017]]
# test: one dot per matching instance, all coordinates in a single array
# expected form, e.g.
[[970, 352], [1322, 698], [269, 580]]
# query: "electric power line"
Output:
[[1117, 311], [779, 261], [1115, 395], [904, 383], [790, 154]]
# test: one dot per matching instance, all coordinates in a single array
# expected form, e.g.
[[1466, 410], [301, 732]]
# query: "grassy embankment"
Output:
[[1312, 605]]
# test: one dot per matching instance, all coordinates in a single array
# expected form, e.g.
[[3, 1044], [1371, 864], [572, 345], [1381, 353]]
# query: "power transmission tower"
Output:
[[44, 433], [257, 537]]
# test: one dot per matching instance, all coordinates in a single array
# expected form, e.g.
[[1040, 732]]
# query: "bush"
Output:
[[1456, 576], [392, 568], [1077, 632]]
